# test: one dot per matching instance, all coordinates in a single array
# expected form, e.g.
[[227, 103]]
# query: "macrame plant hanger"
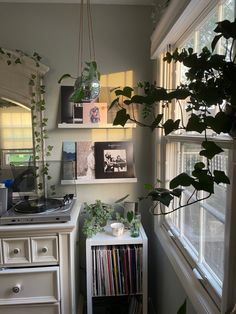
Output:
[[81, 36]]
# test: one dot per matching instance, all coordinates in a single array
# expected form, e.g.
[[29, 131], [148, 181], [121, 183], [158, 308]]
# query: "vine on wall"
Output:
[[38, 106]]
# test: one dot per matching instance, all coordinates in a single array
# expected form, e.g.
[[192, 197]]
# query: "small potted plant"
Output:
[[132, 222], [98, 214]]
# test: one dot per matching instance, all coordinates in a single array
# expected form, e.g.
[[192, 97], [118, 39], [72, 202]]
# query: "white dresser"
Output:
[[39, 267]]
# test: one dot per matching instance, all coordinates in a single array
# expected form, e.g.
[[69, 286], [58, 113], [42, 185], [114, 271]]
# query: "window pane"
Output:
[[214, 244], [205, 32], [218, 199], [228, 10], [191, 225], [200, 226]]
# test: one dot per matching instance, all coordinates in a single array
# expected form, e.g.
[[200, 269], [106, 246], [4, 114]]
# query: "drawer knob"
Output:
[[16, 251], [45, 249], [16, 289]]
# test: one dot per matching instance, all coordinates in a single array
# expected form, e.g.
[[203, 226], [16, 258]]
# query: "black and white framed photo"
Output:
[[114, 160]]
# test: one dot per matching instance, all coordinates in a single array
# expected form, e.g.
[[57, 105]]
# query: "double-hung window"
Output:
[[198, 232]]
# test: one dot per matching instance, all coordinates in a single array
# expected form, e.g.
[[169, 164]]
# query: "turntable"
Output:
[[52, 206]]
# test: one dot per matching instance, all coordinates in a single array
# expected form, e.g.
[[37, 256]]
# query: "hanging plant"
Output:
[[87, 83], [211, 80], [87, 86]]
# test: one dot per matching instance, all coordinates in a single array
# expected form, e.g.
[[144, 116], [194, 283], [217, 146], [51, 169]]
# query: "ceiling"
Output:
[[126, 2]]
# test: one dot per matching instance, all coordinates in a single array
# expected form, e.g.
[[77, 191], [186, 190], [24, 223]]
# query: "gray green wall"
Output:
[[122, 40]]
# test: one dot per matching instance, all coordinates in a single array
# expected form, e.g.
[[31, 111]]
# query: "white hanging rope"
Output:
[[91, 35], [81, 36]]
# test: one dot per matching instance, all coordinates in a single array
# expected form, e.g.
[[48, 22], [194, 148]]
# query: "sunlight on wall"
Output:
[[108, 82], [112, 80], [117, 79]]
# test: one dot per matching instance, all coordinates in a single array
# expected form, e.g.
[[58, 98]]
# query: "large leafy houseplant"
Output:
[[211, 81]]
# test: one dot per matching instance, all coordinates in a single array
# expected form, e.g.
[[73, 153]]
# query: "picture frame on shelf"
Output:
[[94, 113], [114, 160], [68, 160], [77, 112], [66, 105], [85, 161]]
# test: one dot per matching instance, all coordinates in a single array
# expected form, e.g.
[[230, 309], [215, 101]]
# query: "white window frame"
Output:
[[191, 279]]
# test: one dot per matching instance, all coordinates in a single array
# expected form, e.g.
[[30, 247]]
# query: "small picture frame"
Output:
[[78, 113], [69, 160], [85, 161], [94, 113], [114, 160], [66, 105]]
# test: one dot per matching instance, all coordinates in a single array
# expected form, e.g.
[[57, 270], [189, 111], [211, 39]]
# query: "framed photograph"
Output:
[[85, 160], [66, 105], [94, 112], [114, 160], [69, 160]]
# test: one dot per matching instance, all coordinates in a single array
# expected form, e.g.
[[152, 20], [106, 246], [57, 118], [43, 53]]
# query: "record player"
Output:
[[52, 203]]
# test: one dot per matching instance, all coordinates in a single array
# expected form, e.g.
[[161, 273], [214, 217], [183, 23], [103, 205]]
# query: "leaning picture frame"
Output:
[[114, 160]]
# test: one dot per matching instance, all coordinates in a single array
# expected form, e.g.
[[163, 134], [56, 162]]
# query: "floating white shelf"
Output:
[[99, 181], [94, 126]]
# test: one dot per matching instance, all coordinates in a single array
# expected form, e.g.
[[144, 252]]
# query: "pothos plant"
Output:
[[39, 122], [98, 214], [210, 81]]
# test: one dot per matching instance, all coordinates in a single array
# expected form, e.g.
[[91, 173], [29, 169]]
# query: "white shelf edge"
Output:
[[99, 181], [94, 126]]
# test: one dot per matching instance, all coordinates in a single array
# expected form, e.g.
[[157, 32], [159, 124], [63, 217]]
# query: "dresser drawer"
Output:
[[44, 249], [16, 251], [29, 285], [30, 309]]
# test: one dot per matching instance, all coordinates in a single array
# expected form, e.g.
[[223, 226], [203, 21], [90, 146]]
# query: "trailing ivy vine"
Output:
[[39, 122]]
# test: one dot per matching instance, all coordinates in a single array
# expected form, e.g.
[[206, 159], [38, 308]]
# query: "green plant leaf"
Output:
[[114, 103], [127, 92], [170, 126], [77, 96], [121, 117], [195, 124], [222, 122], [183, 179], [161, 195], [226, 28], [220, 177], [138, 99], [179, 94], [148, 186], [199, 165], [130, 216], [215, 41], [166, 198], [177, 192], [211, 149], [183, 308], [63, 77], [205, 182], [122, 199], [156, 122]]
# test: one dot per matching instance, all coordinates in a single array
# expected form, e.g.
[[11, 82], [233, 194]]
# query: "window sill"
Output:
[[196, 293]]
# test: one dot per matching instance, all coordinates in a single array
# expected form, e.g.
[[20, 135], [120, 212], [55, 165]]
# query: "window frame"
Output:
[[200, 293]]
